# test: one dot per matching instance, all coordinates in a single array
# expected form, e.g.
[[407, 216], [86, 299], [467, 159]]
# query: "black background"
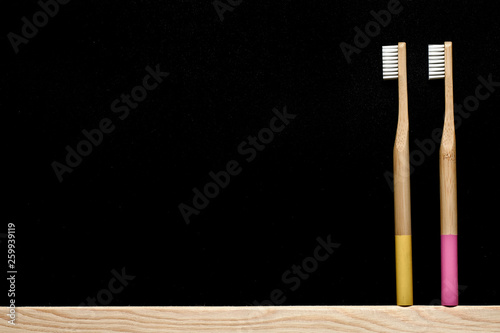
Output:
[[323, 175]]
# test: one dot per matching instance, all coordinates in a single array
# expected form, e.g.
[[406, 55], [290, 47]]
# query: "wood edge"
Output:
[[257, 319]]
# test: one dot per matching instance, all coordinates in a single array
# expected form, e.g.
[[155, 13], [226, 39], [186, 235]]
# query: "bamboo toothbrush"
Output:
[[394, 67], [441, 66]]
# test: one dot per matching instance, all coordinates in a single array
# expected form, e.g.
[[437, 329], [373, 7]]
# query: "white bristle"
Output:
[[436, 61], [390, 62]]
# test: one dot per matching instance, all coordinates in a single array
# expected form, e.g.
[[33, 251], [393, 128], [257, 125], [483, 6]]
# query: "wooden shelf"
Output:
[[310, 319]]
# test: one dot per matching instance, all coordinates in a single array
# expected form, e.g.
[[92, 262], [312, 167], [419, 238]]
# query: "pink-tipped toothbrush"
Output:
[[441, 66]]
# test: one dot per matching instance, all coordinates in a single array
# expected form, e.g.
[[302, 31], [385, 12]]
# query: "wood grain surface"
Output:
[[255, 319]]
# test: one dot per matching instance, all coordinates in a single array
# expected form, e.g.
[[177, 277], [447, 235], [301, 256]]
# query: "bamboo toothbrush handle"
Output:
[[402, 207], [402, 204], [448, 192], [402, 214]]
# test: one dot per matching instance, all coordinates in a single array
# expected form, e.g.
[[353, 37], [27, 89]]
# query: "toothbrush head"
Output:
[[390, 62], [436, 61]]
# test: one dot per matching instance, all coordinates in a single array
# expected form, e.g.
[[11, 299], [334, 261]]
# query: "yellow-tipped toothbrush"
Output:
[[394, 67]]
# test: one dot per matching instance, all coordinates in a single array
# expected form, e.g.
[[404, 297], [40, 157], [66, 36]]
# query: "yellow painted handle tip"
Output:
[[404, 271]]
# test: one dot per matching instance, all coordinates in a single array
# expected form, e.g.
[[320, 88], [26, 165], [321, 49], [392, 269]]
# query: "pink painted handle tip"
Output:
[[449, 270]]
